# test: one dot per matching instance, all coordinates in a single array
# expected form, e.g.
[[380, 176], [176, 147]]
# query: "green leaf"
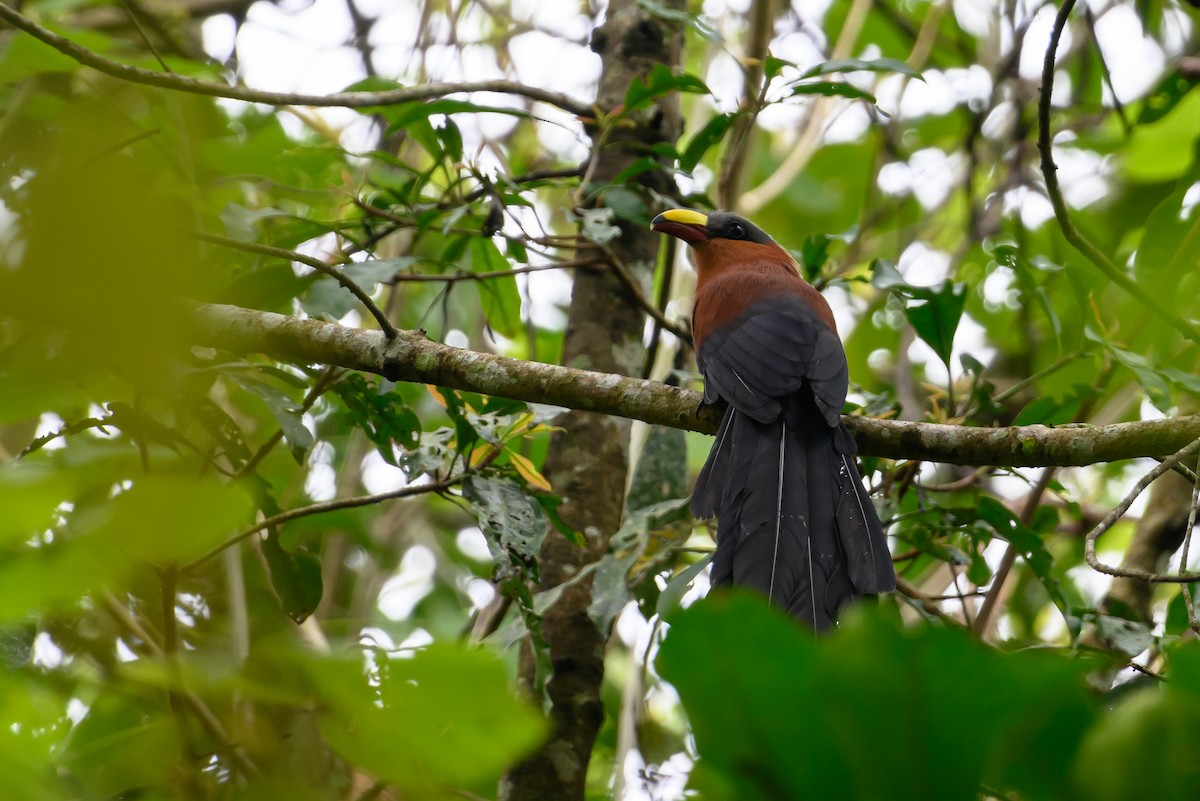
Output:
[[295, 577], [381, 414], [1143, 749], [122, 746], [627, 205], [669, 601], [511, 520], [442, 721], [660, 81], [405, 115], [642, 165], [712, 133], [1130, 637], [772, 66], [1027, 542], [499, 296], [1163, 150], [934, 315], [610, 590], [683, 17], [806, 733], [1171, 239], [884, 275], [326, 297], [862, 65], [31, 493], [831, 89], [1152, 380], [285, 411], [1165, 97], [1050, 410]]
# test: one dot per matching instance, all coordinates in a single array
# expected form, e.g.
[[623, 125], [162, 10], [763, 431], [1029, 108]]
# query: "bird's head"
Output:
[[723, 242], [697, 228]]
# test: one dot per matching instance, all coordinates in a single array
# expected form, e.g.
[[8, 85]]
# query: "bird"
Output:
[[794, 520]]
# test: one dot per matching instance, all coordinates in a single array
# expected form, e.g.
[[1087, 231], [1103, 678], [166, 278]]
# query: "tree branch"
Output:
[[412, 357], [340, 99], [1089, 543], [1050, 174], [346, 281]]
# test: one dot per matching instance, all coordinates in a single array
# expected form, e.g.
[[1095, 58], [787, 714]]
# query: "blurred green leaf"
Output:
[[437, 723], [862, 65], [1164, 97], [285, 411], [934, 315], [295, 577], [767, 729], [122, 747], [499, 296], [660, 81], [1027, 542], [713, 132], [831, 89]]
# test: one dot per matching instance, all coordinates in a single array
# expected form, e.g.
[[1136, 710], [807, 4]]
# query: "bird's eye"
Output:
[[736, 230]]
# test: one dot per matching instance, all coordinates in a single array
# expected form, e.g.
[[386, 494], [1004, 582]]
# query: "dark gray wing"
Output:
[[765, 356]]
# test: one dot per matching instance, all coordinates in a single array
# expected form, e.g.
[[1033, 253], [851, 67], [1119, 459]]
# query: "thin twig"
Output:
[[137, 23], [327, 506], [323, 382], [1089, 543], [1105, 71], [1183, 556], [181, 83], [990, 603], [623, 274], [1146, 671], [208, 721], [464, 275], [348, 283], [1054, 192], [66, 430], [928, 603]]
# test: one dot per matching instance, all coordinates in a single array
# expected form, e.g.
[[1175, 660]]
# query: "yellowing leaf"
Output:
[[482, 453], [528, 472]]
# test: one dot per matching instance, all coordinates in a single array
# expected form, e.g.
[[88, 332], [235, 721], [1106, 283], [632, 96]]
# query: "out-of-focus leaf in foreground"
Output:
[[435, 724], [873, 711]]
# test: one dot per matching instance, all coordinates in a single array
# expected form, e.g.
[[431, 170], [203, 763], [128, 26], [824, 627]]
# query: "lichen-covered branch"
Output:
[[412, 357]]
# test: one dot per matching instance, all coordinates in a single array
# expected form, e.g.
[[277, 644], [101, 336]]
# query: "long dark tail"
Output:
[[795, 520]]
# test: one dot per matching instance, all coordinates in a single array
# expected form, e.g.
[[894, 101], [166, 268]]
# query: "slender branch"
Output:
[[67, 430], [1089, 543], [635, 290], [1183, 555], [414, 358], [291, 255], [991, 601], [463, 275], [928, 603], [204, 715], [1054, 192], [1105, 72], [339, 99], [328, 506], [323, 383]]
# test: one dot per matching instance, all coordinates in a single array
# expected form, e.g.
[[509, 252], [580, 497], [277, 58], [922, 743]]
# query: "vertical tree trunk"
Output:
[[587, 462]]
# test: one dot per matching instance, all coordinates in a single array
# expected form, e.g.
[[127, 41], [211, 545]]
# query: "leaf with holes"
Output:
[[511, 520]]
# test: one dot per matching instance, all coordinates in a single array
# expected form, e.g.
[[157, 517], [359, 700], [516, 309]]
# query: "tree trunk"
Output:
[[587, 462]]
